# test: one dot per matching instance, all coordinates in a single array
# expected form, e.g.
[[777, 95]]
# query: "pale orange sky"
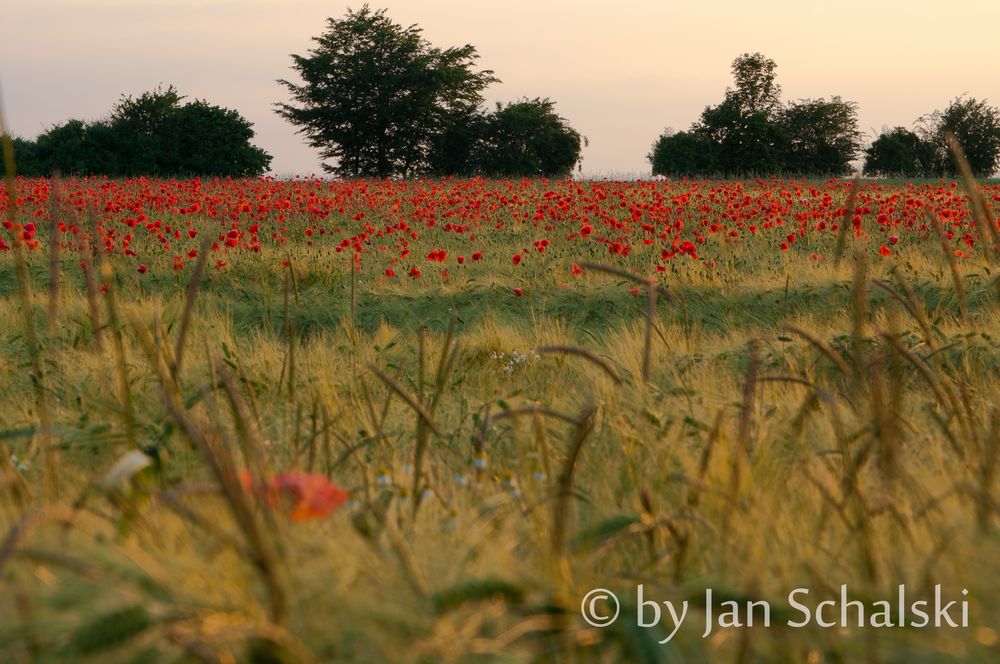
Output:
[[620, 72]]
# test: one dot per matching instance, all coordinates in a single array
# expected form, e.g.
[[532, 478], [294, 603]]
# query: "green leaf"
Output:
[[12, 434], [110, 630], [594, 536], [652, 417], [695, 423]]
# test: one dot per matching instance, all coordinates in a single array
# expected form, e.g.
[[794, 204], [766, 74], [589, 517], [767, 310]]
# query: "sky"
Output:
[[619, 72]]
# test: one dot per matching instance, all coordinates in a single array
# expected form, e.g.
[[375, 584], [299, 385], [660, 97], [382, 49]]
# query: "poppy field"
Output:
[[417, 421]]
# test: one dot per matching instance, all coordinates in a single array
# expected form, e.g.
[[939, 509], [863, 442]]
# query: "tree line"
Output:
[[380, 101], [154, 134], [376, 97], [751, 132]]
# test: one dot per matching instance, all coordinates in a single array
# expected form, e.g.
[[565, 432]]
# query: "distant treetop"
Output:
[[153, 134], [381, 101], [752, 133]]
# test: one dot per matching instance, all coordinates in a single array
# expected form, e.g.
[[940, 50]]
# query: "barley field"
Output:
[[378, 421]]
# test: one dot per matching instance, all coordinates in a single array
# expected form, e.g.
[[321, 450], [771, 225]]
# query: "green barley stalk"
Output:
[[542, 441], [822, 346], [189, 298], [288, 369], [114, 321], [592, 357], [87, 254], [53, 308], [652, 288], [423, 407], [986, 504], [43, 441], [949, 258], [977, 200], [583, 426], [219, 459], [859, 312], [845, 224], [647, 345], [251, 444], [412, 402], [745, 431]]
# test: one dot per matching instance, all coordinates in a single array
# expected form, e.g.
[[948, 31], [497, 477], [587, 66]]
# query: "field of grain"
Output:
[[307, 421]]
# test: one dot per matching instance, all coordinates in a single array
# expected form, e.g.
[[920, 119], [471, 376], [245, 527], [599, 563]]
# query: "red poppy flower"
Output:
[[312, 496]]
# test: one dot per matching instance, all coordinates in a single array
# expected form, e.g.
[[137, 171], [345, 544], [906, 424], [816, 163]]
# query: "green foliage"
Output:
[[383, 102], [756, 90], [751, 133], [377, 96], [604, 531], [744, 128], [458, 149], [822, 137], [215, 140], [975, 124], [528, 139], [901, 153], [110, 630], [683, 153], [153, 134], [149, 131], [26, 157], [73, 147], [746, 142]]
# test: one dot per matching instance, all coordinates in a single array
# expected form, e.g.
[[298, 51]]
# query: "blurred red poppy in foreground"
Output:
[[312, 496]]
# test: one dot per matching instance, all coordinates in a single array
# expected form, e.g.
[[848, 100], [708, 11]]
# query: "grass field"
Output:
[[750, 387]]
